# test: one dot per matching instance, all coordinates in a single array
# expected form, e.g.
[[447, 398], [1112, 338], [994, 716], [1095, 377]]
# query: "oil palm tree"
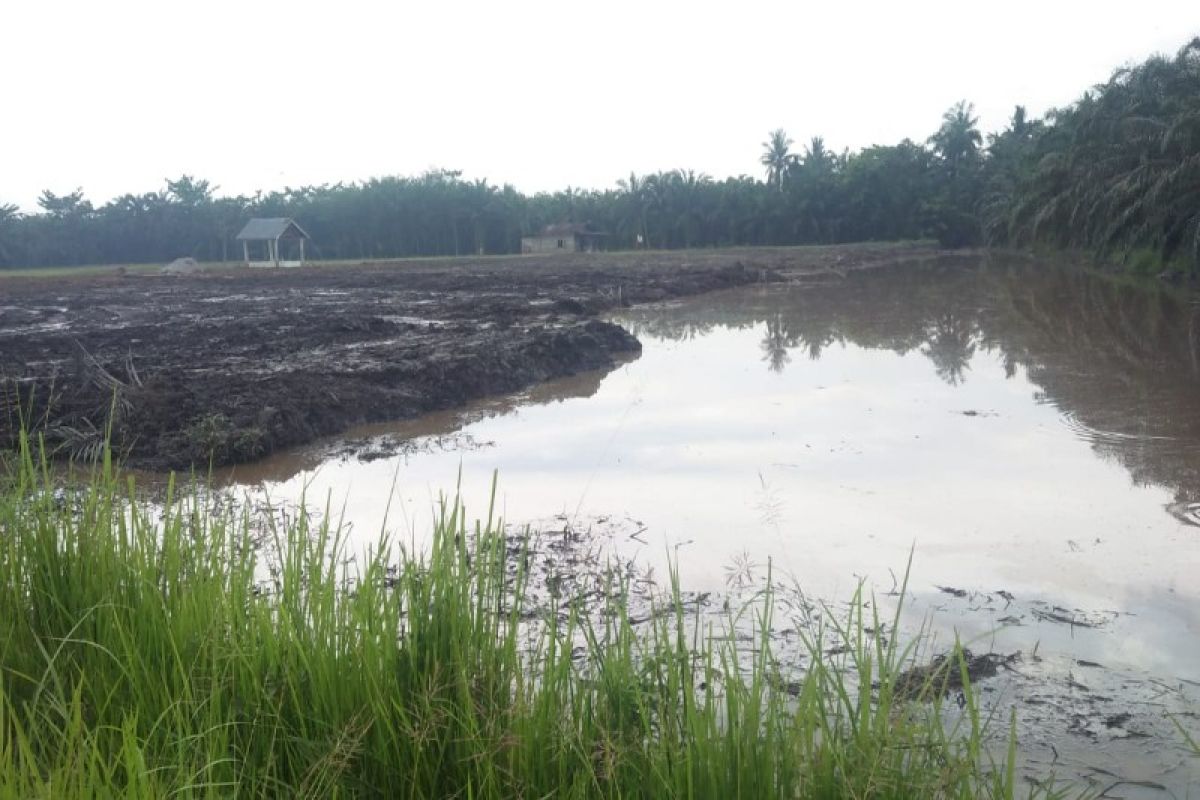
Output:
[[777, 157], [1119, 171], [818, 158], [632, 190]]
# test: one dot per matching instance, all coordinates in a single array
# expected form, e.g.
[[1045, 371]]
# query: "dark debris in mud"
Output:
[[944, 674], [1017, 614], [1075, 618], [972, 412], [1067, 705], [367, 449]]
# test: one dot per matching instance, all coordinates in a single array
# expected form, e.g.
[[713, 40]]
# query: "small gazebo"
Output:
[[271, 231]]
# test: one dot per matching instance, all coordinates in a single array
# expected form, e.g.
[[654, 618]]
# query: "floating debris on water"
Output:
[[944, 674]]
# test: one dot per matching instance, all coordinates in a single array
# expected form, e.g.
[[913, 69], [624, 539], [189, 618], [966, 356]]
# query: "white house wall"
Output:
[[547, 244]]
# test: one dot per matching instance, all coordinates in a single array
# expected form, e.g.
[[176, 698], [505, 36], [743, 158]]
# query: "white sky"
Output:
[[116, 96]]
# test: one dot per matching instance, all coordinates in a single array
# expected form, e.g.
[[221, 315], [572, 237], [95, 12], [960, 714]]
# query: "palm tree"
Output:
[[633, 193], [65, 206], [690, 187], [190, 192], [1119, 171], [777, 157], [958, 139], [817, 158]]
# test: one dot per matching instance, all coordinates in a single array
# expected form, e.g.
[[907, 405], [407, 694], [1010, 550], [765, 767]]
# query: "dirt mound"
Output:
[[181, 266]]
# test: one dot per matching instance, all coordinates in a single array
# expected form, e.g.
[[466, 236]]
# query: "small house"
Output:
[[566, 237], [280, 239]]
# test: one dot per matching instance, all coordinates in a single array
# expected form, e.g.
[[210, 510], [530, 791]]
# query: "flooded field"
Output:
[[1031, 435]]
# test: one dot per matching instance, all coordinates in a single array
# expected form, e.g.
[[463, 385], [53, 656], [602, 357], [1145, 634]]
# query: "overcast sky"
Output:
[[116, 96]]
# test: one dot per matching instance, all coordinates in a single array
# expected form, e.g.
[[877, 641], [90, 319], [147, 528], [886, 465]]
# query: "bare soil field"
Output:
[[228, 365]]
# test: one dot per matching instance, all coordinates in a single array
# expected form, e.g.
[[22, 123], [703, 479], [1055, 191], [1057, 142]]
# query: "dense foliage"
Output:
[[819, 197], [1116, 174]]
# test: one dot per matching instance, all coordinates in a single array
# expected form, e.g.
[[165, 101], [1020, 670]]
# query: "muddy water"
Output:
[[1031, 435]]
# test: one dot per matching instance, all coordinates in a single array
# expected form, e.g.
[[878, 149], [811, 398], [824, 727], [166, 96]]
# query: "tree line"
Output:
[[1117, 174]]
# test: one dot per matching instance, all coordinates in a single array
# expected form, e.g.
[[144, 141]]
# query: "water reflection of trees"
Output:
[[660, 322], [950, 345], [776, 343], [1122, 361]]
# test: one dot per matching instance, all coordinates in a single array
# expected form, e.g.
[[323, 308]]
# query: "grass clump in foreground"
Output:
[[142, 655]]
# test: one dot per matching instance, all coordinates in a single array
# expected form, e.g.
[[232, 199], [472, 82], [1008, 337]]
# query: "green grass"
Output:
[[142, 654]]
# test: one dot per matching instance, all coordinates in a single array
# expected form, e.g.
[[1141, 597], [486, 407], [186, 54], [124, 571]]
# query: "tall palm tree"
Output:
[[817, 158], [777, 157], [958, 139], [633, 190], [690, 187], [1119, 171]]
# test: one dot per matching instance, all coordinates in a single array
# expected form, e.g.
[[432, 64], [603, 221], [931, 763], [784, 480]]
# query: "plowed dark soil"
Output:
[[229, 365]]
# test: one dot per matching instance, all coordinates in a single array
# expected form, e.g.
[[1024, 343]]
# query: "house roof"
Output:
[[271, 228], [570, 229]]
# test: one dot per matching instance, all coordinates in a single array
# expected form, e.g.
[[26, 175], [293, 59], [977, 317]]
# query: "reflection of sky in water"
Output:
[[834, 468]]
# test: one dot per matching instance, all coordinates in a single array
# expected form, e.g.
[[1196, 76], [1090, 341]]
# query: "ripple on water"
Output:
[[1099, 436], [1187, 513]]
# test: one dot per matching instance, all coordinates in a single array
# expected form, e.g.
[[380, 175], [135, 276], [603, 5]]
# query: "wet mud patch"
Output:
[[1079, 717]]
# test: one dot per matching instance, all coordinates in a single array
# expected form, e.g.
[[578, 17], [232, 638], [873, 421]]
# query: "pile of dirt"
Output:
[[181, 266]]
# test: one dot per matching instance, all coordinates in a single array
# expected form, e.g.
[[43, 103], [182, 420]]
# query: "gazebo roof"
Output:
[[271, 228]]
